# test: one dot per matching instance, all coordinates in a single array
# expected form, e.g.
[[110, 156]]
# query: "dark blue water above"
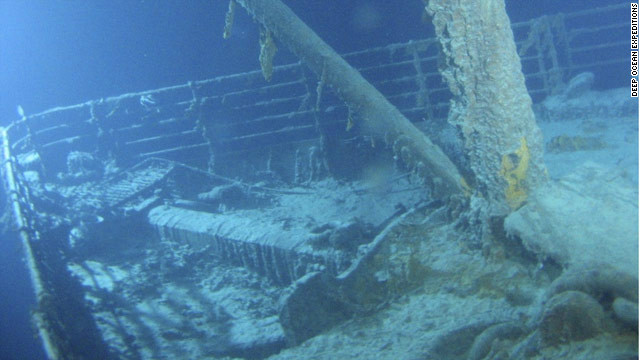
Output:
[[65, 52]]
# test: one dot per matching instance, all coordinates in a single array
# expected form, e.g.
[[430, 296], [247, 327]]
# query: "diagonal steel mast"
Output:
[[380, 118]]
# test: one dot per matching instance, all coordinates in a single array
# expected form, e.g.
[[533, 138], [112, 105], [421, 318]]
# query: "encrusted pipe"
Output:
[[379, 117]]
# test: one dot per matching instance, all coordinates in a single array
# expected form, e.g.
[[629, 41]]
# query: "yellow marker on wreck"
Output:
[[514, 170]]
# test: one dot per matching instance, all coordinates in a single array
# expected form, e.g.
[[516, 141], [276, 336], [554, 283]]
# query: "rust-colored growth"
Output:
[[228, 19], [267, 52]]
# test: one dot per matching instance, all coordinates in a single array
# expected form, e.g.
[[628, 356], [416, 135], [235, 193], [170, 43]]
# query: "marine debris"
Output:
[[217, 218]]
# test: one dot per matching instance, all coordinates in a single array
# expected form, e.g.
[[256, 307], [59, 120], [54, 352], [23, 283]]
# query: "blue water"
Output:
[[66, 52], [55, 52]]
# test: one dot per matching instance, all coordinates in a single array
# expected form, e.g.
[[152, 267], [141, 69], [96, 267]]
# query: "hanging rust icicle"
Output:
[[228, 19], [267, 52]]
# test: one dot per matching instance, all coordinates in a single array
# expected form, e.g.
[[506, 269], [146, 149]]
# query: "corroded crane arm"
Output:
[[379, 116]]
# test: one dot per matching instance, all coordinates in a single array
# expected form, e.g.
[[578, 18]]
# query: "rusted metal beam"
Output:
[[377, 115]]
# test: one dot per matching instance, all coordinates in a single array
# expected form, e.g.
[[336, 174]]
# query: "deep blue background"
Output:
[[63, 52]]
